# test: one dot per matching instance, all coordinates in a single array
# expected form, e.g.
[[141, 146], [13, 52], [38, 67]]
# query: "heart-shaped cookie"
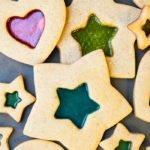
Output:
[[29, 29]]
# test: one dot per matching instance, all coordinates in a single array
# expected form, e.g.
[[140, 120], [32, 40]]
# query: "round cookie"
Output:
[[38, 145], [30, 29], [141, 3], [109, 15], [142, 89]]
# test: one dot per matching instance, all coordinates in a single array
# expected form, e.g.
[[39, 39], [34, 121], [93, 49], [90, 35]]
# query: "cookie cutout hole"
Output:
[[124, 145], [95, 35], [75, 105], [28, 29], [146, 28], [12, 99]]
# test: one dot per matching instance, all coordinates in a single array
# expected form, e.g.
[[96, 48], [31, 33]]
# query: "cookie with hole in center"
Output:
[[30, 29], [141, 28], [5, 133], [122, 139], [79, 102], [96, 24]]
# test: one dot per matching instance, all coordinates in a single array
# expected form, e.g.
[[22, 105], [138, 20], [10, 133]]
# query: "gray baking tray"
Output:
[[10, 69]]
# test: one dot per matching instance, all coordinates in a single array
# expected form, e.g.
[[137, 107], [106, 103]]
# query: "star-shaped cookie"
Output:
[[38, 145], [14, 98], [148, 148], [31, 29], [5, 133], [112, 15], [141, 28], [122, 138], [141, 3], [88, 80], [142, 89]]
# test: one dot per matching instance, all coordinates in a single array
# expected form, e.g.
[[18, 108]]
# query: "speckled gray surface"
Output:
[[9, 69]]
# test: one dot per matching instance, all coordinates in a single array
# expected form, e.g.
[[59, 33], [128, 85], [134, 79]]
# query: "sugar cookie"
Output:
[[141, 28], [5, 133], [86, 19], [38, 145], [58, 85], [142, 89], [30, 29], [14, 98], [122, 139], [141, 3]]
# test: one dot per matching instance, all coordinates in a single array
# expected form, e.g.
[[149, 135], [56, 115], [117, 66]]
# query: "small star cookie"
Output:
[[148, 148], [14, 98], [122, 139], [38, 145], [31, 29], [78, 100], [96, 24], [141, 3], [5, 133], [142, 89], [141, 28]]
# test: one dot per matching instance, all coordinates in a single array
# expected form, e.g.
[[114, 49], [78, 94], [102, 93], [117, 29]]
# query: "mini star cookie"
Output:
[[38, 145], [93, 25], [148, 148], [142, 89], [122, 139], [5, 133], [141, 28], [78, 100], [31, 29], [14, 98], [141, 3]]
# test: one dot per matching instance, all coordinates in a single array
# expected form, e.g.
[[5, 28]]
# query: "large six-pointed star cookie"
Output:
[[14, 98], [50, 77], [122, 139], [110, 14]]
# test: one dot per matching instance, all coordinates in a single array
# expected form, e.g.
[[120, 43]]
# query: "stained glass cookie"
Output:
[[122, 139], [5, 133], [30, 29], [142, 89], [14, 98], [141, 28], [38, 145], [79, 102], [96, 24]]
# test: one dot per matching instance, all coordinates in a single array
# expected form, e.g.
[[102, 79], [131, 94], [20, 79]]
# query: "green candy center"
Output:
[[124, 145], [146, 28], [75, 105], [12, 99], [95, 36]]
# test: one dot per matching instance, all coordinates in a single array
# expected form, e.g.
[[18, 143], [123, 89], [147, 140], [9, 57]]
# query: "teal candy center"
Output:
[[95, 36], [12, 99], [75, 105], [124, 145], [146, 28]]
